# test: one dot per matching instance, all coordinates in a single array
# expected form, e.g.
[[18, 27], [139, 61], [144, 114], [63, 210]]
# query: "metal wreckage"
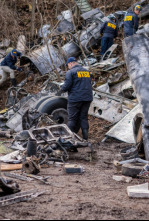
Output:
[[38, 122]]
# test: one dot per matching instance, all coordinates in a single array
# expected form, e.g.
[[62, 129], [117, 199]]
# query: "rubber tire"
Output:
[[53, 104], [132, 169], [41, 101], [60, 116]]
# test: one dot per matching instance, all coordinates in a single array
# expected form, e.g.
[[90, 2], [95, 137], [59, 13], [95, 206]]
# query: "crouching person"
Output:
[[78, 85], [8, 67]]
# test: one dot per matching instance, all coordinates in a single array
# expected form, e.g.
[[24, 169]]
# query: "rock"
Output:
[[122, 179]]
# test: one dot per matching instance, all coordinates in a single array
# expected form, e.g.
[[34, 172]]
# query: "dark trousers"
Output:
[[106, 43], [78, 116]]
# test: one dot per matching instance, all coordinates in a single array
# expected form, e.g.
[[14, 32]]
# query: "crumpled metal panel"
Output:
[[123, 130], [15, 122], [144, 30], [89, 38], [107, 109], [110, 107], [71, 49], [93, 14], [63, 27], [41, 59], [136, 51], [145, 11]]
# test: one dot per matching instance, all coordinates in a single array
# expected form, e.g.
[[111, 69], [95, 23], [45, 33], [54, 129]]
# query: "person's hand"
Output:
[[19, 69]]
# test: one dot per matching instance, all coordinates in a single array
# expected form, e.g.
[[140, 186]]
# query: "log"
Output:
[[10, 167]]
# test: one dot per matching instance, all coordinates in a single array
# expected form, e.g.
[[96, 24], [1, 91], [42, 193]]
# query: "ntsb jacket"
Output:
[[109, 30], [78, 85], [10, 61], [131, 24]]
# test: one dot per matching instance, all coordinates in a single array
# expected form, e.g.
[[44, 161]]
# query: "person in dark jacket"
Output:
[[8, 66], [80, 95], [131, 21], [109, 31]]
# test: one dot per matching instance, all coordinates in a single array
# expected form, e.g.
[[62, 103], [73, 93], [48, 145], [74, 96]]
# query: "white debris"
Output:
[[139, 191], [122, 179]]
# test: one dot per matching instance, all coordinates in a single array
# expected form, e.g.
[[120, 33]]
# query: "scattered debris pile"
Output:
[[36, 123]]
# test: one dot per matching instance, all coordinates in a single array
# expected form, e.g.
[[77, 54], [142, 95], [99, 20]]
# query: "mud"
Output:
[[93, 195]]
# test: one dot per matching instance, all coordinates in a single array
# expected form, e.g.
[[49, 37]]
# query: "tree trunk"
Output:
[[33, 18]]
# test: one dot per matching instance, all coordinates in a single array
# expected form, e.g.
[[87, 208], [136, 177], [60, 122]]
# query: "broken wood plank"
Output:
[[10, 167]]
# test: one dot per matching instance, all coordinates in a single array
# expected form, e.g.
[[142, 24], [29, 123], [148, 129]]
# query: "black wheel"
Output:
[[42, 100], [56, 106], [60, 116]]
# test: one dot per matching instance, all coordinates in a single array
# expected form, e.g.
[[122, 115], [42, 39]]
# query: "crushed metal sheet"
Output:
[[110, 107], [13, 157], [106, 64], [144, 30], [138, 66], [42, 60], [107, 109], [123, 130], [109, 52], [145, 11], [21, 45], [124, 89], [15, 122], [114, 66], [20, 197], [93, 15]]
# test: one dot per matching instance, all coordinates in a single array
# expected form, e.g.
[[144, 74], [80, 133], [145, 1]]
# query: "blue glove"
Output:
[[19, 69]]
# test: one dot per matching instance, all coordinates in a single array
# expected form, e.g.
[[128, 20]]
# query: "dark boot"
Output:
[[85, 134], [14, 82]]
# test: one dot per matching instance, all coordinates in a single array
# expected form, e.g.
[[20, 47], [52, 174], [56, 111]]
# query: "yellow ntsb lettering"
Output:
[[112, 25], [83, 74], [128, 18]]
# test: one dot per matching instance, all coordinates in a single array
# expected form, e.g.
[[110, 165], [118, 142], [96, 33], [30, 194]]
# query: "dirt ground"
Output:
[[93, 195]]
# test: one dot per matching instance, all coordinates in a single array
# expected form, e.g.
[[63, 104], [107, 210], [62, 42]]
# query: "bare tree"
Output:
[[33, 18]]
